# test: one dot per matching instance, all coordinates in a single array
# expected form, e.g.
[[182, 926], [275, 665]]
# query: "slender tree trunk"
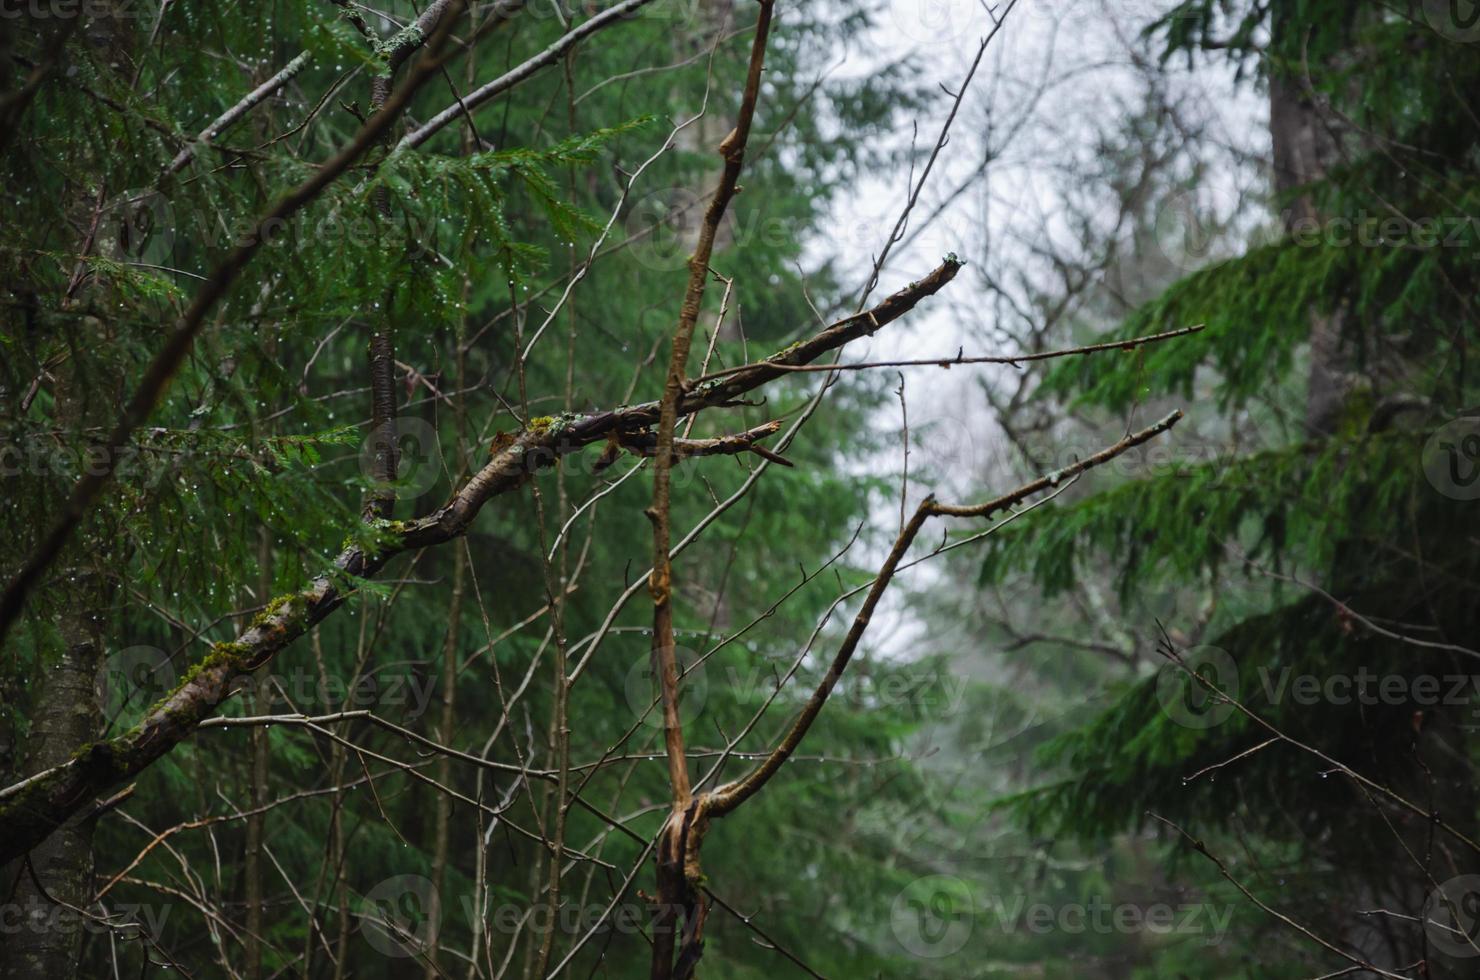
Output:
[[56, 879], [48, 941], [444, 764], [337, 849], [1305, 145], [252, 869], [256, 823]]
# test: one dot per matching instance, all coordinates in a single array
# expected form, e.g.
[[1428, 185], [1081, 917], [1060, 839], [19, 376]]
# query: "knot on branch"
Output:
[[732, 148]]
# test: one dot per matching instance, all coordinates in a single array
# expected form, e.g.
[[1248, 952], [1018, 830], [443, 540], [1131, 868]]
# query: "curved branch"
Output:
[[727, 798]]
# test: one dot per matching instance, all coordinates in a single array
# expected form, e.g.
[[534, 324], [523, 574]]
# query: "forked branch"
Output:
[[728, 797], [675, 886]]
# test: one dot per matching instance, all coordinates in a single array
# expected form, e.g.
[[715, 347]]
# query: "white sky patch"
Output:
[[1053, 78]]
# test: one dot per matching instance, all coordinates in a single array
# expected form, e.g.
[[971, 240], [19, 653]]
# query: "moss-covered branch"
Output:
[[31, 810]]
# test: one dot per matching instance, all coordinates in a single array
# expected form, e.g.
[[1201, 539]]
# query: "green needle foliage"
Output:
[[1326, 553], [247, 479]]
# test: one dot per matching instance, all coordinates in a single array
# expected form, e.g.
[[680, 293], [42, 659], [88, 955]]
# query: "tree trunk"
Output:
[[48, 941], [444, 765], [54, 881], [1305, 145]]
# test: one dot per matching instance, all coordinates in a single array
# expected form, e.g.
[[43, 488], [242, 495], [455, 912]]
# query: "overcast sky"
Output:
[[1054, 75]]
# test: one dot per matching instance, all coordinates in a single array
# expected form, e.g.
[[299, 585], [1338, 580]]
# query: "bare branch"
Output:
[[1202, 849], [678, 846], [727, 798], [233, 115]]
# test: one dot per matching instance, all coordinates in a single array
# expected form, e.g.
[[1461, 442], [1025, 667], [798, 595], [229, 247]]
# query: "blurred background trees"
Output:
[[1311, 523]]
